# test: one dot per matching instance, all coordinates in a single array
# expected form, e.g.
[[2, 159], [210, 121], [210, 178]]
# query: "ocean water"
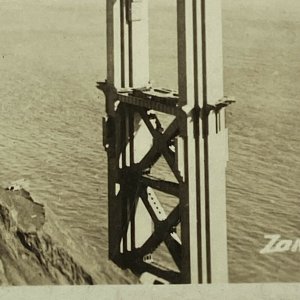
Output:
[[51, 56]]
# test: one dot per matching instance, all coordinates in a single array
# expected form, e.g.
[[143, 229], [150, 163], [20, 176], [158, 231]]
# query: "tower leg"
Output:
[[204, 145], [128, 66]]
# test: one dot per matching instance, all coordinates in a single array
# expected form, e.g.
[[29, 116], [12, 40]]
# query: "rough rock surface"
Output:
[[28, 255]]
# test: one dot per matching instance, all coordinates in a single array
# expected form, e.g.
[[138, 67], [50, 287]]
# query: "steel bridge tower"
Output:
[[194, 146]]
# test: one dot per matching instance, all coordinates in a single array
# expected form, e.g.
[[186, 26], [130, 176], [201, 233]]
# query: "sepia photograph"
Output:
[[149, 142]]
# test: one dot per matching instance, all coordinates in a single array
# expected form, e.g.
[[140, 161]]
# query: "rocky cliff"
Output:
[[28, 255]]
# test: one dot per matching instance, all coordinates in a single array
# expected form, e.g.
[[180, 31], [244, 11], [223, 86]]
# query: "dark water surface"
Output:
[[52, 54]]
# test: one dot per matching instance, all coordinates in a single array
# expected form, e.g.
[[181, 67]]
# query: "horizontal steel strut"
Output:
[[171, 228]]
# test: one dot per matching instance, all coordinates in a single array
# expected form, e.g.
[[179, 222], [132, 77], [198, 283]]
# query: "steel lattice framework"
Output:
[[193, 145]]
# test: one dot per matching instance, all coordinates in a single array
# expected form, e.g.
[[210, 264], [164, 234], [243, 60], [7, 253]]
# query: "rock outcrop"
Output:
[[28, 255]]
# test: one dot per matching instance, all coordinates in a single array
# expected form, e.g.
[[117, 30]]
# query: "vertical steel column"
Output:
[[202, 147], [127, 66], [127, 38]]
